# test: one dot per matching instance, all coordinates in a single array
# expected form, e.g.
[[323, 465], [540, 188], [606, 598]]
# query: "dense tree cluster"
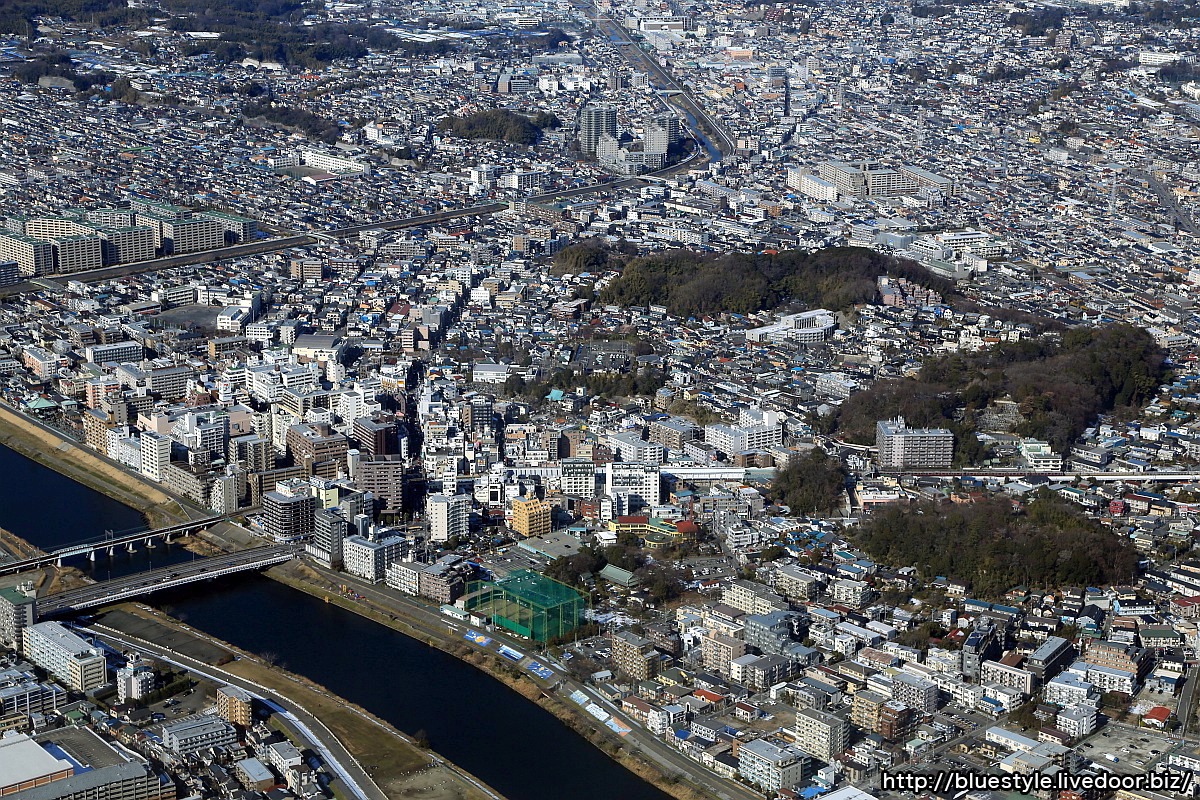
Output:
[[593, 254], [1037, 22], [994, 547], [812, 484], [690, 283], [500, 125], [16, 16], [270, 30], [315, 126], [1060, 383], [660, 581]]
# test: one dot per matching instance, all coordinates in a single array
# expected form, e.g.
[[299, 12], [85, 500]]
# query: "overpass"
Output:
[[202, 569], [110, 543]]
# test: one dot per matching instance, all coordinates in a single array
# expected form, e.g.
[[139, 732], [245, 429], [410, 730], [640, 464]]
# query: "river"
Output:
[[52, 511], [477, 722]]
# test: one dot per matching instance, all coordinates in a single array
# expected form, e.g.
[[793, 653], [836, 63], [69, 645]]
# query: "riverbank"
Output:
[[132, 489], [309, 580], [398, 766], [76, 462]]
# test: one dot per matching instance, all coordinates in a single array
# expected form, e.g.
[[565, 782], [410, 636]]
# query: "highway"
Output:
[[142, 583]]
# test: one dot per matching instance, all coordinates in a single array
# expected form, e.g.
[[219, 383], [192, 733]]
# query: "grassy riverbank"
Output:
[[310, 581], [83, 466], [399, 766]]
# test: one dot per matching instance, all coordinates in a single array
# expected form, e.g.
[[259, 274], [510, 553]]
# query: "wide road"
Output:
[[639, 740], [162, 578]]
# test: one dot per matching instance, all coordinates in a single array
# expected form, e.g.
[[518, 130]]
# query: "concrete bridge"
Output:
[[143, 583], [109, 542]]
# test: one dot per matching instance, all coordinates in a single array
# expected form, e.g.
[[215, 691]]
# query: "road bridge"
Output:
[[143, 583]]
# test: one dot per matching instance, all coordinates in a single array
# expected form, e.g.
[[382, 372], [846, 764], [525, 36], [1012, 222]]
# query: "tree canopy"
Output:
[[995, 547], [812, 484], [498, 124], [1060, 384], [690, 283]]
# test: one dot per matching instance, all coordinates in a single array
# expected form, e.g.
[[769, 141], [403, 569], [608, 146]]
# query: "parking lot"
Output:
[[1136, 749]]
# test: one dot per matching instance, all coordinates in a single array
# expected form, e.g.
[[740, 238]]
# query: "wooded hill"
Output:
[[993, 547], [1060, 384]]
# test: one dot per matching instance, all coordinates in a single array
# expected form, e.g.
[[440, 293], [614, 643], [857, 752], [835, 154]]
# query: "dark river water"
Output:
[[475, 721]]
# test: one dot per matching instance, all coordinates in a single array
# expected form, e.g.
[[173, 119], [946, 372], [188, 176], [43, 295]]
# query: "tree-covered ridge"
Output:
[[1060, 383], [314, 125], [995, 546], [500, 125], [690, 283], [16, 16]]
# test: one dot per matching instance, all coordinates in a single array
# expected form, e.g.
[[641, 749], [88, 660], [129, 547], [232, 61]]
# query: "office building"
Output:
[[866, 708], [918, 694], [193, 735], [368, 558], [772, 767], [662, 133], [449, 516], [718, 650], [901, 447], [330, 528], [578, 477], [384, 478], [376, 437], [634, 656], [982, 644], [1050, 658], [73, 763], [633, 485], [289, 512], [66, 656], [595, 121], [18, 610], [135, 680], [32, 256], [21, 694], [319, 449]]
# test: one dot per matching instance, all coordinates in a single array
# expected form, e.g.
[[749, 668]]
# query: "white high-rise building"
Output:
[[633, 485], [155, 454], [903, 447], [449, 516], [71, 659], [135, 680]]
